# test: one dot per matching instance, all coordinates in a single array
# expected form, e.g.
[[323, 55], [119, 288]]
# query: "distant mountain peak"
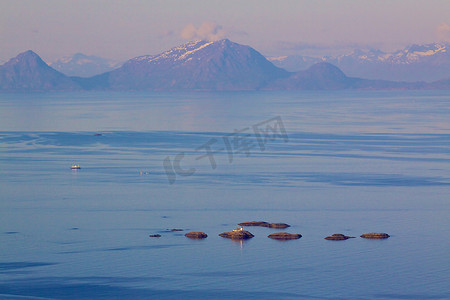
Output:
[[28, 53], [325, 70], [26, 57], [28, 72]]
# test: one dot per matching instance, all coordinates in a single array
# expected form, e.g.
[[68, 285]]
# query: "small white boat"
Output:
[[75, 167]]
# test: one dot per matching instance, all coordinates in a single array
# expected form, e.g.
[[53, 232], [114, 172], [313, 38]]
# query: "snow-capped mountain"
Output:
[[198, 65], [410, 55], [83, 65], [414, 63]]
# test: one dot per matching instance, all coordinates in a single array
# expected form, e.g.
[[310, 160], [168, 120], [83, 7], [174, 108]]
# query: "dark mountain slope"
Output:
[[28, 72]]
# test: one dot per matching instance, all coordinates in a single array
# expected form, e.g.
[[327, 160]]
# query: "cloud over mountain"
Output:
[[209, 31], [443, 32]]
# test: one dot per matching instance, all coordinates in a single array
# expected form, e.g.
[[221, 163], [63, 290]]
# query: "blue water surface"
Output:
[[349, 162]]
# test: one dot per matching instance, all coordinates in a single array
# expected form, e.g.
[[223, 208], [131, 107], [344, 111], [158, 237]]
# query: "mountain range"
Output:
[[197, 65], [414, 63]]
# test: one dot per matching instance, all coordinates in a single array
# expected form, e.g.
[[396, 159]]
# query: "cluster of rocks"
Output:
[[192, 234], [241, 234], [370, 235]]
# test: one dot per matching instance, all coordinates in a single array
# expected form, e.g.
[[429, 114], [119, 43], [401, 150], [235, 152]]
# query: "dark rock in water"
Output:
[[375, 235], [338, 237], [284, 236], [237, 234], [264, 224], [254, 223], [279, 225], [154, 235], [97, 134], [196, 235], [176, 229]]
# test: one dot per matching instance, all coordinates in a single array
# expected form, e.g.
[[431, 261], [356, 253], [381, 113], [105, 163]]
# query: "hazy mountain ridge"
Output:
[[325, 76], [197, 65], [414, 63], [83, 65]]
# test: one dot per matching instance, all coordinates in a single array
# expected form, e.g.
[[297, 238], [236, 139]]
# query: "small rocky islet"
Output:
[[265, 224], [284, 236], [237, 234], [375, 235], [196, 235], [338, 237]]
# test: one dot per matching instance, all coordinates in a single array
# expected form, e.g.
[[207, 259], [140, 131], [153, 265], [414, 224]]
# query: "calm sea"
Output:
[[323, 162]]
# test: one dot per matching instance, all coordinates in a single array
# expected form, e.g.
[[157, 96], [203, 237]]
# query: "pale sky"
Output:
[[124, 29]]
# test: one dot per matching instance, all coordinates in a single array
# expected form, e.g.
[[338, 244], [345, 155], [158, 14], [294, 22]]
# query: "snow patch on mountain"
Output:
[[277, 58], [187, 53], [176, 53]]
